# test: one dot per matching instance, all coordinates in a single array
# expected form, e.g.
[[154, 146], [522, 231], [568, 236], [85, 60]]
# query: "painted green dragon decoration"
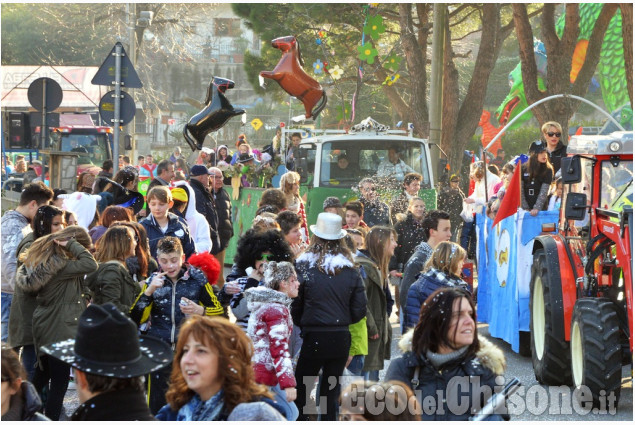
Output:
[[611, 71]]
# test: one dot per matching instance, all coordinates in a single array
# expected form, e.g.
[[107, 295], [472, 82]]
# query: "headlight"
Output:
[[615, 146]]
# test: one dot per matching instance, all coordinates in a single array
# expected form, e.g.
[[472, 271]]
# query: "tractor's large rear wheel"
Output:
[[549, 353], [596, 352]]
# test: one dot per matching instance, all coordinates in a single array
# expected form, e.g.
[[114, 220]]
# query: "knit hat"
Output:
[[198, 170], [179, 194]]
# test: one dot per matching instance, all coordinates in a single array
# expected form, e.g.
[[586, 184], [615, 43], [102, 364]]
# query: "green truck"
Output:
[[366, 145]]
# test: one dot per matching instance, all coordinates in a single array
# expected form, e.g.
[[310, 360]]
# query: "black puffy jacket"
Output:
[[556, 156], [438, 385], [224, 213], [328, 301]]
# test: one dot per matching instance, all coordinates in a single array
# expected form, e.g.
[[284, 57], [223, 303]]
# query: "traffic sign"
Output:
[[105, 76], [53, 98], [107, 108]]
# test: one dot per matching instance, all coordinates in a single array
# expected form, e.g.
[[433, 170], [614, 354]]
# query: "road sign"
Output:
[[50, 100], [105, 76], [107, 108]]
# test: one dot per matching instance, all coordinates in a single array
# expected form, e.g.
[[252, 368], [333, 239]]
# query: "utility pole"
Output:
[[131, 9], [436, 80]]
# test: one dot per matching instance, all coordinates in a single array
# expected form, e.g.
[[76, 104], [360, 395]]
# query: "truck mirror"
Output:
[[571, 170], [127, 142], [575, 207]]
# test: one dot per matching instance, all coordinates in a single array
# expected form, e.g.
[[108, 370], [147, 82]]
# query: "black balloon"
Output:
[[213, 116]]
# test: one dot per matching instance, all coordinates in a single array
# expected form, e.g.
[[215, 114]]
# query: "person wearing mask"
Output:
[[20, 400], [13, 226], [184, 205], [536, 178], [380, 247], [213, 378], [376, 212], [443, 269], [331, 297], [48, 219], [223, 204], [205, 203], [270, 327], [109, 360], [111, 282], [445, 346], [556, 149], [437, 228], [53, 271]]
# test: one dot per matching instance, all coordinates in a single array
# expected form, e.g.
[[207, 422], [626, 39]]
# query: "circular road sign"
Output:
[[107, 108], [54, 94]]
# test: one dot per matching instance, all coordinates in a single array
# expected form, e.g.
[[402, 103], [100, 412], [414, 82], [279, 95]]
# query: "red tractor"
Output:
[[581, 299]]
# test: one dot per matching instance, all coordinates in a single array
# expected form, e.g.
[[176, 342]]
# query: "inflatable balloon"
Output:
[[213, 116], [292, 78]]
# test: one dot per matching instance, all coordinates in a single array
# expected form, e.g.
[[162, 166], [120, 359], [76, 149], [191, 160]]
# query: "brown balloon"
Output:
[[292, 78]]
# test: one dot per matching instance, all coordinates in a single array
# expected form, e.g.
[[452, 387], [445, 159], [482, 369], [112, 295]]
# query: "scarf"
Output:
[[198, 410], [439, 360]]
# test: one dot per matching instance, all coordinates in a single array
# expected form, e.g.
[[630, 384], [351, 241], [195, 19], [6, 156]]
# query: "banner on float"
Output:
[[504, 272]]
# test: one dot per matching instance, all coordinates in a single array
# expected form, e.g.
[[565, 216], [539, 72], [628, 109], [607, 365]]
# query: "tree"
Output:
[[559, 53], [408, 31], [627, 35]]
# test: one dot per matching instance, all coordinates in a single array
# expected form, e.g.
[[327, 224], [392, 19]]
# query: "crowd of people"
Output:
[[132, 306]]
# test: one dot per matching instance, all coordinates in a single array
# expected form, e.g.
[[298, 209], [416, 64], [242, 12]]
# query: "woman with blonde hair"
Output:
[[53, 270], [212, 377], [111, 282], [443, 269], [556, 149], [381, 242], [290, 185]]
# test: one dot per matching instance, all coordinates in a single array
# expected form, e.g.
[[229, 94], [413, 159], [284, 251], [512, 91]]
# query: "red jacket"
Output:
[[269, 328]]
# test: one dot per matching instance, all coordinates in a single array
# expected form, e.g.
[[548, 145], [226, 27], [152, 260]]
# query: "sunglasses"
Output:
[[267, 257], [552, 134]]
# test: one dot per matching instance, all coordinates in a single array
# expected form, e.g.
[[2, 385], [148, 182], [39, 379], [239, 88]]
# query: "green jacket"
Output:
[[359, 338], [377, 318], [22, 307], [58, 285], [112, 283]]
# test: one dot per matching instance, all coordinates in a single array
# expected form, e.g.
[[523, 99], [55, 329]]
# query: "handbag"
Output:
[[467, 213]]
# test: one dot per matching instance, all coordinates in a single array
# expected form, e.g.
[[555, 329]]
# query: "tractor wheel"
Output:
[[549, 354], [596, 352]]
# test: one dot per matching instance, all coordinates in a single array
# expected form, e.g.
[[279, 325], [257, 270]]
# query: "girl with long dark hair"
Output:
[[537, 174]]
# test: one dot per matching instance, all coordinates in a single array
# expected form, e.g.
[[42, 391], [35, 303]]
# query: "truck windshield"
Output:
[[345, 163], [617, 185], [91, 146]]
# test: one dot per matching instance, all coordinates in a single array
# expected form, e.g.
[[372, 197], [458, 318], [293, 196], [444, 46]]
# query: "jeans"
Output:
[[356, 365], [29, 360], [371, 375], [289, 407], [6, 308], [52, 380]]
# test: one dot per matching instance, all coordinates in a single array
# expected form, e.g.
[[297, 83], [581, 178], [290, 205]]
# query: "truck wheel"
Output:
[[549, 354], [596, 352]]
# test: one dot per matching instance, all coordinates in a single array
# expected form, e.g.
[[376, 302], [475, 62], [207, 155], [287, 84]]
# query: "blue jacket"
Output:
[[162, 307], [177, 227], [429, 282]]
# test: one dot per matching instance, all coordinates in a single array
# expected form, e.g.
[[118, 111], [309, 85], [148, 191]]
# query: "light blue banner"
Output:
[[504, 272]]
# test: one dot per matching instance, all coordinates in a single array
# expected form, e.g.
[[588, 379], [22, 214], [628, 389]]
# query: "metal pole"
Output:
[[132, 53], [117, 120], [436, 80], [555, 96], [43, 126]]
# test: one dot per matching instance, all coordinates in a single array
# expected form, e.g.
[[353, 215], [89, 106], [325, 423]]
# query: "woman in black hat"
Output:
[[537, 175]]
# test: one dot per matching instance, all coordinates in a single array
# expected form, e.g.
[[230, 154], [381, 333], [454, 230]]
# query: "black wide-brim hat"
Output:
[[108, 344], [129, 199]]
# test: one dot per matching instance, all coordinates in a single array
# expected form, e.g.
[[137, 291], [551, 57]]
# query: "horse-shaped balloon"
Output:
[[292, 78], [213, 116]]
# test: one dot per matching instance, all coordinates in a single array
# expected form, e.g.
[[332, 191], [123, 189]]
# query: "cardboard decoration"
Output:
[[293, 79], [213, 116]]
